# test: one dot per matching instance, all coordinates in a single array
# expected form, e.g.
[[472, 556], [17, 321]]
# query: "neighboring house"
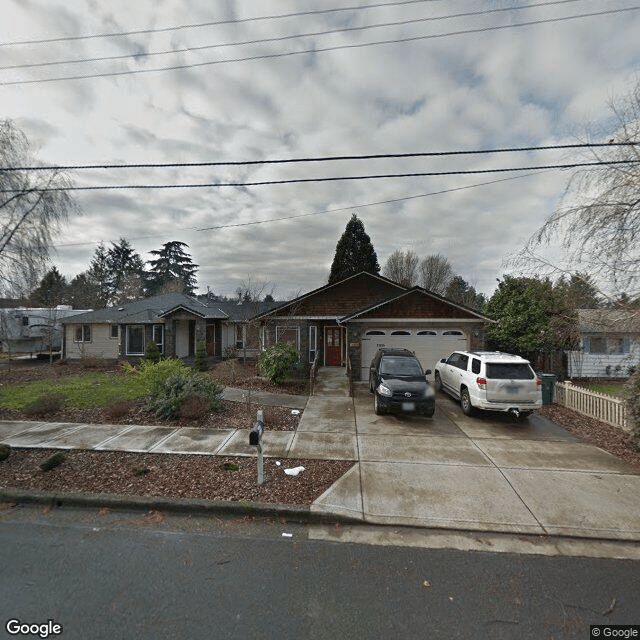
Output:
[[352, 318], [609, 344], [33, 330], [174, 321]]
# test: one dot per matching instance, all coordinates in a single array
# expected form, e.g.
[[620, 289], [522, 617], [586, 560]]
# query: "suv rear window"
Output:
[[400, 366], [509, 371]]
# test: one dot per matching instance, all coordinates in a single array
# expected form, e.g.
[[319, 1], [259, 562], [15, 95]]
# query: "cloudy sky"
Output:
[[429, 80]]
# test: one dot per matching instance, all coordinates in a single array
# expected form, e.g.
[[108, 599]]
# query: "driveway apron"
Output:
[[483, 473]]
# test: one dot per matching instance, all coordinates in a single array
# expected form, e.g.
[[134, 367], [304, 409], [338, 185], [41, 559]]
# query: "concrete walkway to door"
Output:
[[484, 473]]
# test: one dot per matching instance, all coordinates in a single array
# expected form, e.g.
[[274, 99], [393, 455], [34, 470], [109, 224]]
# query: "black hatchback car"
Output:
[[399, 384]]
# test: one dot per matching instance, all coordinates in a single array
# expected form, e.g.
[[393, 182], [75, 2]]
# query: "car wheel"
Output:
[[429, 412], [370, 384], [377, 408], [465, 402], [438, 383]]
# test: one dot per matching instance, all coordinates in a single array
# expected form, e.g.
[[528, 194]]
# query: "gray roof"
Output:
[[608, 321], [149, 310]]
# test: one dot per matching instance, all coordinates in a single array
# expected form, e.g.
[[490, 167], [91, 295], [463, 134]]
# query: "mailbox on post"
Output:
[[255, 440]]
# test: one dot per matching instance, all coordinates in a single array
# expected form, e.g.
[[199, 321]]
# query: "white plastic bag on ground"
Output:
[[294, 472]]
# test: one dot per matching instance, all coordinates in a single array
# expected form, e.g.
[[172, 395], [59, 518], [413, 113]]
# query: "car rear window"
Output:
[[509, 371], [401, 367]]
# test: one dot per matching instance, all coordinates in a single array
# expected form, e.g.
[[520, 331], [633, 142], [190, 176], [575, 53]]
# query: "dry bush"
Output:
[[118, 409], [194, 407], [44, 405]]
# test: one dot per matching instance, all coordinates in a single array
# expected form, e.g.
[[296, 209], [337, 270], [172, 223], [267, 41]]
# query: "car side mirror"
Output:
[[443, 360], [427, 372]]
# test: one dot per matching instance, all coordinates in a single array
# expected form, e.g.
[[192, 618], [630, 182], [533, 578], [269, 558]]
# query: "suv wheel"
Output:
[[465, 402], [438, 382], [377, 408]]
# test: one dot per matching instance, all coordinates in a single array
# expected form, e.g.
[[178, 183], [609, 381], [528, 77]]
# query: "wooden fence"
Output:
[[596, 405]]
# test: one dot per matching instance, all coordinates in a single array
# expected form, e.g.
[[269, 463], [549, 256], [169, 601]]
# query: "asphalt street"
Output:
[[115, 574]]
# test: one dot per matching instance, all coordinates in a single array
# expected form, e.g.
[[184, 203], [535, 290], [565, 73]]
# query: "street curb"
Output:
[[292, 513]]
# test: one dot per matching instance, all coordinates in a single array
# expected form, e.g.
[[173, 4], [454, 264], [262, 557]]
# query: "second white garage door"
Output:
[[429, 345]]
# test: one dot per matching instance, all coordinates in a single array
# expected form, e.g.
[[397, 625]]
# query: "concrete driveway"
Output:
[[484, 473]]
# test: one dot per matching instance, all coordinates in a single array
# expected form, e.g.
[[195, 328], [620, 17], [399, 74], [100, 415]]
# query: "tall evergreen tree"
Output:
[[97, 278], [354, 253], [125, 272], [172, 269], [51, 291]]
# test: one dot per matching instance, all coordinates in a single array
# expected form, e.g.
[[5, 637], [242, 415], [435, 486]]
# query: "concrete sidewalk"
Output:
[[485, 473]]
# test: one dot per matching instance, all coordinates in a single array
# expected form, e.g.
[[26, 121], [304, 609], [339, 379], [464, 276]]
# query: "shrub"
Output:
[[200, 361], [193, 407], [54, 461], [152, 352], [45, 405], [118, 409], [154, 374], [632, 393], [168, 397], [5, 451], [276, 363]]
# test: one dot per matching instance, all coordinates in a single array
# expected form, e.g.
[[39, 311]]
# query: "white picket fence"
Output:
[[596, 405]]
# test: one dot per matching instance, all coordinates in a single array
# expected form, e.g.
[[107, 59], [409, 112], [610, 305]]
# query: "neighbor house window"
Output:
[[25, 321], [114, 331], [618, 345], [239, 336], [290, 335], [263, 338], [313, 342], [83, 333], [158, 336], [135, 340], [597, 344]]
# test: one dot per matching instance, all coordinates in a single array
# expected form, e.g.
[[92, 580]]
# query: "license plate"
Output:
[[408, 406]]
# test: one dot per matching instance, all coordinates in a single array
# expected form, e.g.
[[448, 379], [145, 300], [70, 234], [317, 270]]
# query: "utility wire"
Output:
[[214, 23], [376, 156], [327, 179], [272, 56], [283, 38], [361, 205]]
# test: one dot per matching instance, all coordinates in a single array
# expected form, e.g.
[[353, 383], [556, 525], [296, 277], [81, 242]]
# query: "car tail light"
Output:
[[538, 381], [482, 382]]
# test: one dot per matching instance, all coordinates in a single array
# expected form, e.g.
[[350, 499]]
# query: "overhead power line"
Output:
[[294, 36], [271, 56], [375, 156], [420, 174], [213, 23], [360, 205]]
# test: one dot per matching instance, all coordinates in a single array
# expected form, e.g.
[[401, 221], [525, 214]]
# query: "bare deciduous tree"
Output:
[[33, 207], [436, 273], [598, 221], [402, 267]]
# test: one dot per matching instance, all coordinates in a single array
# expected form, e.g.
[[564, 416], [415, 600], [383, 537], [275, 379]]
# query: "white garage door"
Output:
[[429, 345]]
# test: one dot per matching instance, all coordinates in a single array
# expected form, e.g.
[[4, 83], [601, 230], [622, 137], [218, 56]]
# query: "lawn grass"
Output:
[[83, 391], [614, 389]]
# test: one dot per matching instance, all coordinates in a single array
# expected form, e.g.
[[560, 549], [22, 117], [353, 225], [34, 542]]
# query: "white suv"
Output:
[[490, 380]]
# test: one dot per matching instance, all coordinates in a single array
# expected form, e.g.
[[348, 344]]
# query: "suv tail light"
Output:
[[482, 382], [538, 381]]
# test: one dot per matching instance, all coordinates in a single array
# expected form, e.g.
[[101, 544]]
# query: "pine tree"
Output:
[[354, 253], [98, 277], [125, 271], [173, 269], [51, 291]]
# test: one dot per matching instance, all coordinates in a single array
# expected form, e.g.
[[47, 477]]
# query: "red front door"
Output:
[[333, 347]]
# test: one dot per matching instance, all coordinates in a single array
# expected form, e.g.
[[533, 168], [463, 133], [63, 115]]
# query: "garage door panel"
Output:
[[428, 348]]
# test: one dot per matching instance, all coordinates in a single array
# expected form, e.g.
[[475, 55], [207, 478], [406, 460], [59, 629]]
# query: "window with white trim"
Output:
[[158, 336], [263, 338], [135, 340], [376, 332], [113, 331], [313, 342], [452, 332], [82, 333], [401, 332], [425, 332], [290, 335]]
